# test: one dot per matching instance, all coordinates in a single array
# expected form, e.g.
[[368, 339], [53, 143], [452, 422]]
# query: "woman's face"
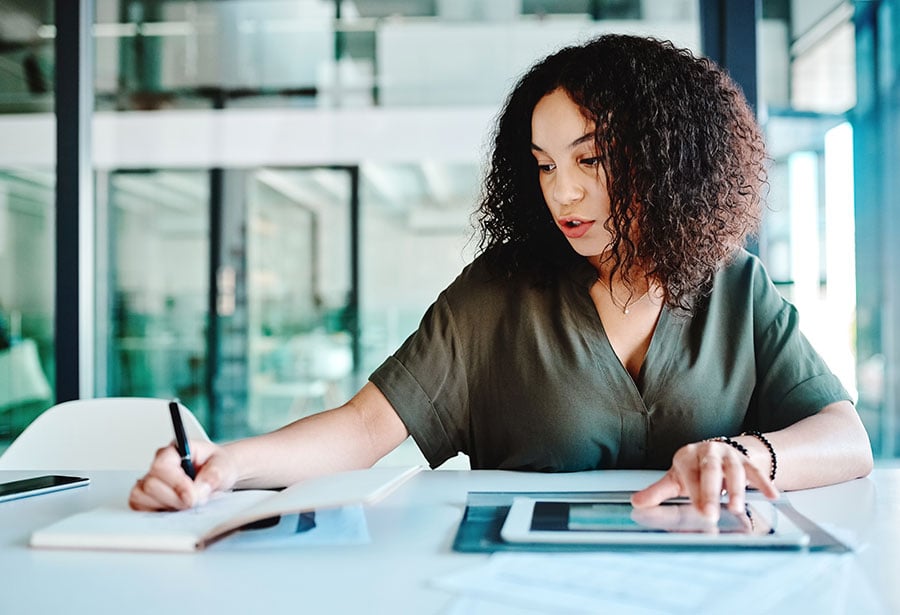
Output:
[[572, 179]]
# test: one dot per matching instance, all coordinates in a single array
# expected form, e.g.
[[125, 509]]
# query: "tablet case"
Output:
[[479, 529]]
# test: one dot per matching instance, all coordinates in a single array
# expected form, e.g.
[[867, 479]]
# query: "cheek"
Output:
[[602, 196]]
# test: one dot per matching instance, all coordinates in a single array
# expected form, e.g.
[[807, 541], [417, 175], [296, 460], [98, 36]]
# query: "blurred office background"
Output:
[[279, 188]]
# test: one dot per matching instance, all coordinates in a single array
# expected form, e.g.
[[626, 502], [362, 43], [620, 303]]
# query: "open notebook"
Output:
[[120, 528]]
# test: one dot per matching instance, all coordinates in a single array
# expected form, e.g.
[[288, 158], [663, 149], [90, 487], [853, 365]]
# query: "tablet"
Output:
[[614, 521]]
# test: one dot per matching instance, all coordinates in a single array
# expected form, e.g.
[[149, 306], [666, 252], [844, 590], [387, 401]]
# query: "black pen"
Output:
[[181, 441]]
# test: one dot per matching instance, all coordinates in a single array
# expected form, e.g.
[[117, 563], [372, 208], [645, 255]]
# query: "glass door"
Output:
[[230, 289], [286, 306], [156, 226]]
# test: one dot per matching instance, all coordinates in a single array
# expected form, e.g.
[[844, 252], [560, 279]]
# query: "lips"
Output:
[[573, 228]]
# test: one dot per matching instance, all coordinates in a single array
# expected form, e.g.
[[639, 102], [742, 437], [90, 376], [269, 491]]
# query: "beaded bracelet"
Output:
[[733, 443], [769, 446]]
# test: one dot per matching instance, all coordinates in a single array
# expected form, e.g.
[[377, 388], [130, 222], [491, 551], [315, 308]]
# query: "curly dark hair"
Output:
[[680, 145]]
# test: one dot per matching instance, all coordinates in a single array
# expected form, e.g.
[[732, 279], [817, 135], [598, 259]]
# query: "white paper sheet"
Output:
[[651, 583]]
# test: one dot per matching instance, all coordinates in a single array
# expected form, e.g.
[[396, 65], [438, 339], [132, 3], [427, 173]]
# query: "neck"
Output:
[[626, 290], [633, 280]]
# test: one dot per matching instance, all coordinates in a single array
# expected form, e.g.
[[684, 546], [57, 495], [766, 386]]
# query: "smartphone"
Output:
[[39, 484]]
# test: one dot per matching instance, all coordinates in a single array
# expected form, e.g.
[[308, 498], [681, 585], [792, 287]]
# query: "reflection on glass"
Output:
[[808, 231], [416, 238], [158, 285], [26, 297], [299, 292], [26, 57], [156, 55]]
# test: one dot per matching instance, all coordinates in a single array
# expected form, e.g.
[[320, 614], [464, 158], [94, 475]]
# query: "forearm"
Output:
[[829, 447], [353, 436]]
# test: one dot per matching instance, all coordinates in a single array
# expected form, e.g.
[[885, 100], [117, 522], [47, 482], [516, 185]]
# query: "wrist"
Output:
[[733, 443], [764, 455]]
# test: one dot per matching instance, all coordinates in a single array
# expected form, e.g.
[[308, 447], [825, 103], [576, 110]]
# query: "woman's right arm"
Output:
[[353, 436]]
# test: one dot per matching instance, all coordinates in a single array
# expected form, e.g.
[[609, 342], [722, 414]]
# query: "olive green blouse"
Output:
[[523, 377]]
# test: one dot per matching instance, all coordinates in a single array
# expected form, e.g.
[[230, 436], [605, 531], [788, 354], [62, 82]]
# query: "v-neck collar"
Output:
[[656, 359]]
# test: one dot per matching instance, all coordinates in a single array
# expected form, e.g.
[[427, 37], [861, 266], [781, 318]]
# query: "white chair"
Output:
[[21, 378], [113, 433]]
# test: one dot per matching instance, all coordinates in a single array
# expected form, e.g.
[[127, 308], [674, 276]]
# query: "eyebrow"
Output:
[[582, 139]]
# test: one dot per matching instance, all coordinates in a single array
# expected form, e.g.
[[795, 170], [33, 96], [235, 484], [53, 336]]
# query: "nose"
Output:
[[567, 188]]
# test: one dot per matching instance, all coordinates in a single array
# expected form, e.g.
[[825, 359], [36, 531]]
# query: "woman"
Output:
[[612, 319]]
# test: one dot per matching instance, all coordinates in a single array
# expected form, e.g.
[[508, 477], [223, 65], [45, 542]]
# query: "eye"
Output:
[[591, 162], [546, 167]]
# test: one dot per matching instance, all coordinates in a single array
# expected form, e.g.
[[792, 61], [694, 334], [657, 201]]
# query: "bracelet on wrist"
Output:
[[732, 443], [768, 445]]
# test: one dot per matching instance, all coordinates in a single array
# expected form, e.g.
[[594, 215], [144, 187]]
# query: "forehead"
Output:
[[557, 121]]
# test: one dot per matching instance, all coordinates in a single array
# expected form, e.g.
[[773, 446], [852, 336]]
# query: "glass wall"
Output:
[[876, 124], [284, 186], [322, 159], [808, 240], [27, 218], [156, 228], [300, 309], [823, 240], [26, 296]]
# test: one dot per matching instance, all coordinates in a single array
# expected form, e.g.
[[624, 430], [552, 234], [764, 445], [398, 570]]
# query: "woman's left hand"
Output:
[[701, 471]]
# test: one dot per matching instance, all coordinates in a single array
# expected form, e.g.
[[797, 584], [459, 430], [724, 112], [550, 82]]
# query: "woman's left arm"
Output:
[[828, 447]]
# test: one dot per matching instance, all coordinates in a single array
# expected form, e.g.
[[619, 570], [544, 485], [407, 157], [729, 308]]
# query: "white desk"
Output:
[[411, 532]]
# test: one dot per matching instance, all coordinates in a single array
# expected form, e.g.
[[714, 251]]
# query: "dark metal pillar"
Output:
[[728, 37], [73, 305], [353, 303]]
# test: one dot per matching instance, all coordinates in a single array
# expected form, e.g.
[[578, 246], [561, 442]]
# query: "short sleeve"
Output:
[[793, 381], [425, 381]]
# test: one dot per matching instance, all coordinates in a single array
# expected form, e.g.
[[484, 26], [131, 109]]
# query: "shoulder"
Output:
[[481, 280], [744, 272], [742, 268], [484, 291], [745, 284]]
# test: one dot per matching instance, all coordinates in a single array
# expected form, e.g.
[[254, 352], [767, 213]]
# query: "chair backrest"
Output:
[[21, 378], [113, 433]]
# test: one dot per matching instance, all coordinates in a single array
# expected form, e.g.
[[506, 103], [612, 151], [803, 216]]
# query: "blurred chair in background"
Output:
[[24, 389], [113, 433]]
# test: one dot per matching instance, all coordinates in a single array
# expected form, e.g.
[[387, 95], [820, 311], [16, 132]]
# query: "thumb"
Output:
[[657, 493], [212, 476]]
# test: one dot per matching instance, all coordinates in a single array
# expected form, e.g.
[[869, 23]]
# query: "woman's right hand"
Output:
[[165, 486]]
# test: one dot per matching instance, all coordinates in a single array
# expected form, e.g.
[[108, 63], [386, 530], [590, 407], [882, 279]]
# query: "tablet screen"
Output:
[[622, 517], [616, 521]]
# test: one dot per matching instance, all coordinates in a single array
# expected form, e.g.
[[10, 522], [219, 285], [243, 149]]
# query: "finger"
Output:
[[166, 496], [138, 499], [166, 468], [659, 517], [217, 473], [202, 450], [735, 482], [212, 476], [664, 489], [708, 495], [167, 465], [757, 479]]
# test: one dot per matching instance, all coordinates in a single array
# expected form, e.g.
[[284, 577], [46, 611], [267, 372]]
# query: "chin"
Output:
[[589, 250]]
